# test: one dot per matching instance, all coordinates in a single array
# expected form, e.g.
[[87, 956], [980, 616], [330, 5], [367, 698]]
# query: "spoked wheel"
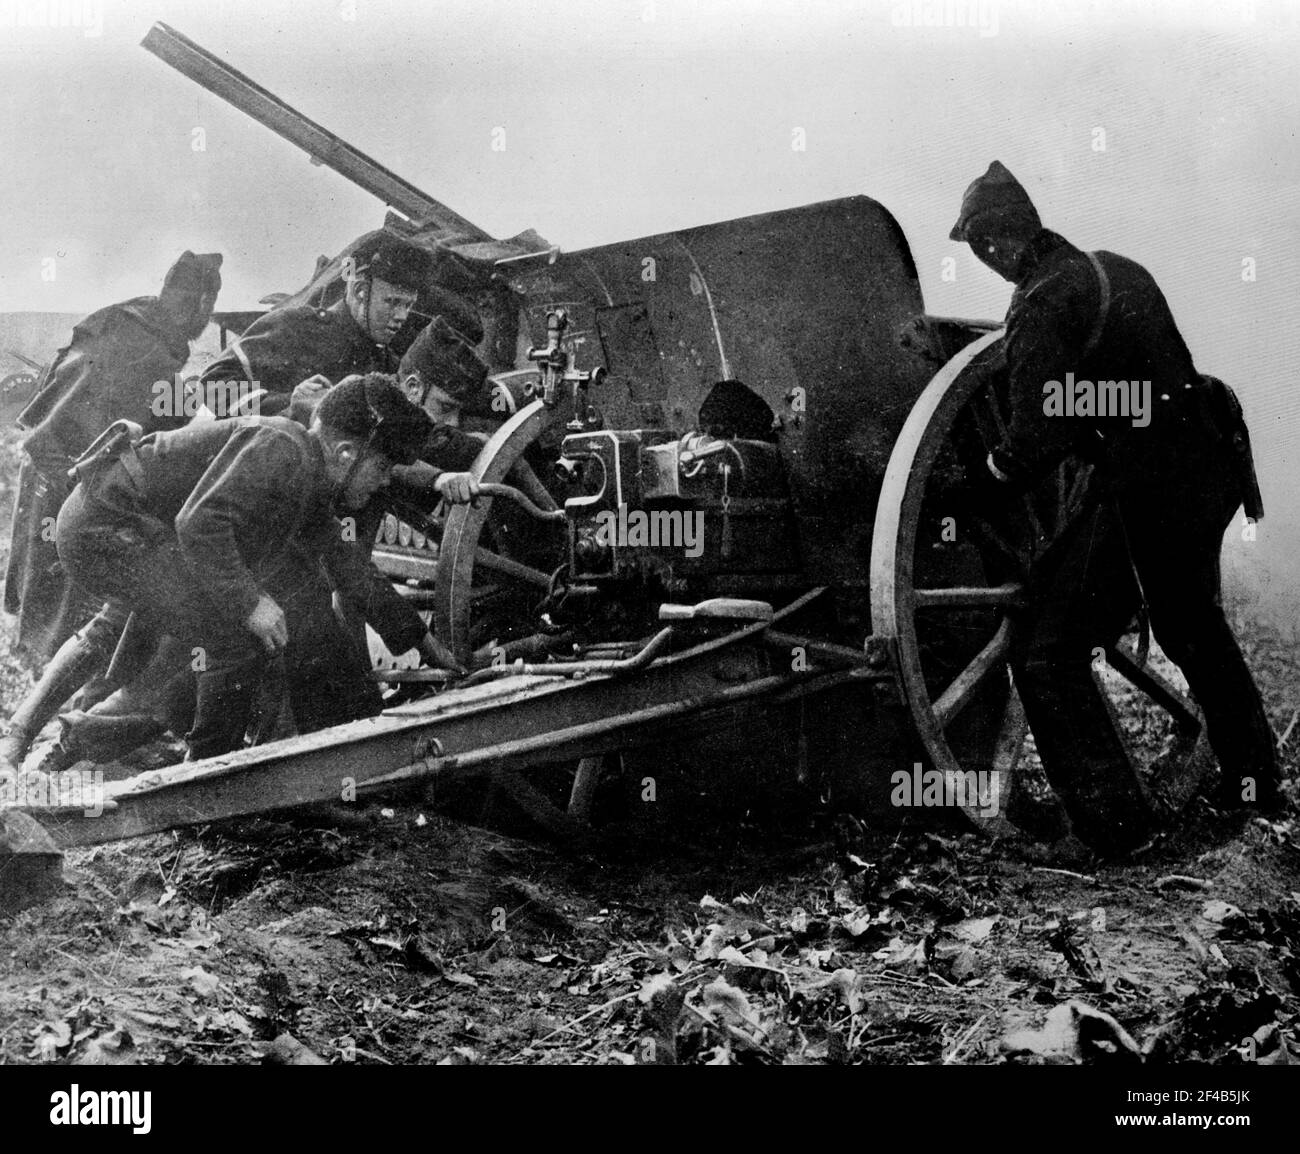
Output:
[[948, 581], [470, 571]]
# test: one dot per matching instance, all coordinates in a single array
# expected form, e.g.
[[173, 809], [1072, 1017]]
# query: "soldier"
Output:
[[105, 373], [1167, 484], [442, 372], [204, 533], [384, 277], [440, 361], [295, 352]]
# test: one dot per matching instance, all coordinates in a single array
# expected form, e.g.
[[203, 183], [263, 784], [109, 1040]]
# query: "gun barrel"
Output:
[[321, 145]]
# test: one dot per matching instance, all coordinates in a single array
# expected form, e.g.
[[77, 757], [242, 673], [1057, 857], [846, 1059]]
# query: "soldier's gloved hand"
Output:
[[267, 624], [457, 488], [435, 653], [305, 397]]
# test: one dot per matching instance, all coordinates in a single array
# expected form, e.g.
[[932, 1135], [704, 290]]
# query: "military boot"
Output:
[[1085, 760], [84, 654], [223, 709]]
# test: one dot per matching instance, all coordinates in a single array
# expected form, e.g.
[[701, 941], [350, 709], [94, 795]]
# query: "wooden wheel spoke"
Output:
[[969, 681], [523, 476], [991, 537], [1010, 744], [970, 596], [1180, 707], [516, 570]]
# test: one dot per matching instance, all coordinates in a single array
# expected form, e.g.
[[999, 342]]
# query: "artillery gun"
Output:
[[743, 534]]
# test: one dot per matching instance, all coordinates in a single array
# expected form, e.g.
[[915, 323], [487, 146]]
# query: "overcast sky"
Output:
[[1165, 131]]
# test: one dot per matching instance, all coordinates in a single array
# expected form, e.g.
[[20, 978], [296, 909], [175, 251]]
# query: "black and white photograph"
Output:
[[651, 532]]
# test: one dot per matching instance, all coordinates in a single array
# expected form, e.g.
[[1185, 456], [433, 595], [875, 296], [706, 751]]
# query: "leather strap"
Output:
[[1103, 310]]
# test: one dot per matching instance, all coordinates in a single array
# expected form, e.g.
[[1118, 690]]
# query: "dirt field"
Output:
[[395, 933]]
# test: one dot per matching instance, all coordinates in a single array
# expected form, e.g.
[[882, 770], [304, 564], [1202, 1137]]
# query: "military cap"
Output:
[[996, 204], [443, 357], [373, 407], [384, 255], [456, 311], [194, 274]]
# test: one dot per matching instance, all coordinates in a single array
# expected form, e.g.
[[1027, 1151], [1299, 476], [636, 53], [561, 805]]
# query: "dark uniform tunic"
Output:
[[288, 345], [106, 372], [212, 516], [1168, 490]]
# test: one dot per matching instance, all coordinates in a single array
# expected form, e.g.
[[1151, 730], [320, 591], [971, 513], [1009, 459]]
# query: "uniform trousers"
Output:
[[1170, 517]]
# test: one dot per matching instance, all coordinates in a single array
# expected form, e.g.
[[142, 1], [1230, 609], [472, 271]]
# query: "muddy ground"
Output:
[[443, 929]]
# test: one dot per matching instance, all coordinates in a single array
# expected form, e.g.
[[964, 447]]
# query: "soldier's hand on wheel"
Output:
[[457, 488], [267, 624]]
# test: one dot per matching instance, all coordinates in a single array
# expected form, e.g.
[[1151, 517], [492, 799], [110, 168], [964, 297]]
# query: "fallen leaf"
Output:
[[1074, 1031], [460, 1056], [50, 1039], [848, 985], [857, 923], [116, 1048], [818, 959], [714, 943], [975, 930], [901, 956], [231, 1021], [200, 937], [726, 1003], [844, 898], [459, 979], [654, 986], [1218, 911], [963, 962], [202, 982], [286, 1050]]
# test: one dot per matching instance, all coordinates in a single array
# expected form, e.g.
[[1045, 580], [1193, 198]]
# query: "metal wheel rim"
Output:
[[892, 592]]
